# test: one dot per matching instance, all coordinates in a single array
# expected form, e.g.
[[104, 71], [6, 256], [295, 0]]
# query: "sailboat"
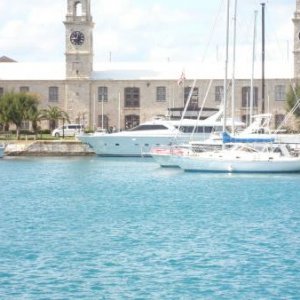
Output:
[[251, 154]]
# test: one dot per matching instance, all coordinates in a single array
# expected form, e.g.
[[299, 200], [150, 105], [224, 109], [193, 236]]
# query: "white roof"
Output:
[[145, 71]]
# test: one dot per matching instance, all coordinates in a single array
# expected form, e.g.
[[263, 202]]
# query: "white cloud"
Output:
[[142, 30]]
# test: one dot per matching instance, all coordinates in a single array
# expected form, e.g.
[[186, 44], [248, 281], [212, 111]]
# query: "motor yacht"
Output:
[[139, 140]]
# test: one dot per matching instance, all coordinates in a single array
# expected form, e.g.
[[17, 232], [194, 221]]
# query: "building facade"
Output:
[[123, 95]]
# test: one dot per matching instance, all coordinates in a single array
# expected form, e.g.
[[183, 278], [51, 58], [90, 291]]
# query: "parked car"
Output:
[[67, 130]]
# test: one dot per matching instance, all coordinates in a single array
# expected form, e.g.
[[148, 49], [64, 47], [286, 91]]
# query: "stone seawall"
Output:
[[48, 148]]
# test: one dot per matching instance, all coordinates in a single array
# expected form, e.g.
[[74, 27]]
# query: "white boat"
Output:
[[155, 133], [242, 158]]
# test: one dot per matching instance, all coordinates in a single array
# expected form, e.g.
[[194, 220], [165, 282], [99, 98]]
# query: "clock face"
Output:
[[77, 38]]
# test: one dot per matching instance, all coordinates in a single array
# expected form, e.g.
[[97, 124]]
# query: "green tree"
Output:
[[53, 114], [18, 107], [293, 96]]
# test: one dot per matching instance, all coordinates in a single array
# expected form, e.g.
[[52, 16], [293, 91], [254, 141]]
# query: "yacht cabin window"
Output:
[[149, 127]]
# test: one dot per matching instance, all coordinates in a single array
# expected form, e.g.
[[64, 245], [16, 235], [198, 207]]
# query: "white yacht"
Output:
[[138, 141]]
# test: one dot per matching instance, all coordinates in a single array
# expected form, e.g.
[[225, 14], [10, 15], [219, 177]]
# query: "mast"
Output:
[[233, 69], [263, 59], [252, 75], [226, 66]]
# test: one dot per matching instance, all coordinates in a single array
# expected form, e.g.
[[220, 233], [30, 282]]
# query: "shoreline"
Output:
[[47, 148]]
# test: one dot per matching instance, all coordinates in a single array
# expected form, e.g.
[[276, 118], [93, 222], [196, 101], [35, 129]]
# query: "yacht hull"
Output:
[[134, 146], [207, 164]]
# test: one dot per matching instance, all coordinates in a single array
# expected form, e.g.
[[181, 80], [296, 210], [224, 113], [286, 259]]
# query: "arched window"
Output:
[[78, 9], [131, 121]]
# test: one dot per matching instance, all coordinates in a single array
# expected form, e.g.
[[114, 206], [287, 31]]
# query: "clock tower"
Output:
[[79, 40], [296, 21]]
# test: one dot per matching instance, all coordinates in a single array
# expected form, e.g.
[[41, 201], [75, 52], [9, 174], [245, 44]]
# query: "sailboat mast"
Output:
[[233, 68], [263, 60], [253, 62], [226, 66]]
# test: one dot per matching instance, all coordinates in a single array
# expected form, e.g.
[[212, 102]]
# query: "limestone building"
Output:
[[122, 95]]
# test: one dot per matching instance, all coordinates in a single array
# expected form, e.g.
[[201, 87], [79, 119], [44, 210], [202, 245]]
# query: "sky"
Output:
[[147, 30]]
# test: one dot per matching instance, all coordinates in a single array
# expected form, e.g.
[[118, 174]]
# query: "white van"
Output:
[[67, 130]]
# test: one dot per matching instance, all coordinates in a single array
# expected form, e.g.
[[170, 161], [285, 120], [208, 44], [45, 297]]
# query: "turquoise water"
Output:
[[104, 228]]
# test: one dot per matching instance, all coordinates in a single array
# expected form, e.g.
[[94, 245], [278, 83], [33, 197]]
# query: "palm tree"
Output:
[[53, 114]]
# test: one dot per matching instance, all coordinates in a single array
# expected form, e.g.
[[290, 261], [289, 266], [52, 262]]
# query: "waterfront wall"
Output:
[[48, 148]]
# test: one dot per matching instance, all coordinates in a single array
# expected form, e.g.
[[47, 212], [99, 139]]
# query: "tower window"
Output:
[[78, 9]]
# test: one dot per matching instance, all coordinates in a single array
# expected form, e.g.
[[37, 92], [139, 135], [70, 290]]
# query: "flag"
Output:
[[181, 79]]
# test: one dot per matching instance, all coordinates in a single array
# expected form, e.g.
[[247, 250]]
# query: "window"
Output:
[[150, 127], [194, 98], [219, 93], [78, 9], [132, 97], [161, 94], [131, 121], [24, 89], [1, 91], [246, 96], [53, 94], [102, 94], [279, 92], [278, 119], [105, 121]]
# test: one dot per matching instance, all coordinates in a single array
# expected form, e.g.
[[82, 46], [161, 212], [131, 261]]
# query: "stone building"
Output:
[[122, 95]]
